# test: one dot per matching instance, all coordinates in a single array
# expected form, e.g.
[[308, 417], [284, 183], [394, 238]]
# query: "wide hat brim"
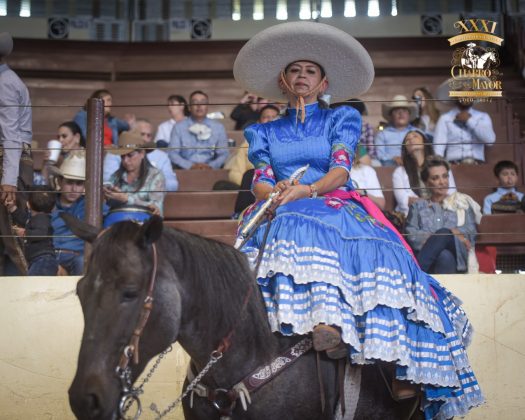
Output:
[[387, 108], [347, 64]]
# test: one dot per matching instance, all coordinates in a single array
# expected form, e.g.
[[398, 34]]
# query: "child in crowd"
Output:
[[34, 225], [506, 199]]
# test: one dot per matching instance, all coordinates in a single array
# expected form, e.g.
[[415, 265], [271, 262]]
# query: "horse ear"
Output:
[[80, 228], [150, 231]]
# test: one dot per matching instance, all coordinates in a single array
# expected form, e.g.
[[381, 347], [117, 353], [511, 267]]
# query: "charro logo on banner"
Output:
[[475, 68]]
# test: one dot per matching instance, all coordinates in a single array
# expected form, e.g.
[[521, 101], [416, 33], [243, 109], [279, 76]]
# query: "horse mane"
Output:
[[221, 278], [217, 274]]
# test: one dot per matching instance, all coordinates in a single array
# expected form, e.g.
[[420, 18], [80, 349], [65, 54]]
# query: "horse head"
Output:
[[112, 294]]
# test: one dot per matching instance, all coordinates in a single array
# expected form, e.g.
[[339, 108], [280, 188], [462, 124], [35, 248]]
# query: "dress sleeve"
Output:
[[344, 136], [259, 155]]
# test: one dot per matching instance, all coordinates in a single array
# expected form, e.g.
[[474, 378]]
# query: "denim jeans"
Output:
[[73, 263], [438, 255], [43, 265]]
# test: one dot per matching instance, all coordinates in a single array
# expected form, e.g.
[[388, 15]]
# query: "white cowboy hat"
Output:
[[348, 66], [399, 101], [73, 167]]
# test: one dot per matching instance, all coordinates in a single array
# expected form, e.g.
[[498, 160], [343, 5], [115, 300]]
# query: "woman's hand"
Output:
[[462, 238], [292, 193], [154, 209], [114, 193]]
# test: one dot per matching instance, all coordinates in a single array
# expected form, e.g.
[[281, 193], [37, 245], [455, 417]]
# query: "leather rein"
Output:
[[223, 400]]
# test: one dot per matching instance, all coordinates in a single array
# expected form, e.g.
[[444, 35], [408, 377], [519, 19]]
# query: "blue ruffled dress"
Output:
[[326, 260]]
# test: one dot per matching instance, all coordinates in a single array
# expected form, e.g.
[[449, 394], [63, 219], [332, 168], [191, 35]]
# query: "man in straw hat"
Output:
[[332, 265], [463, 132], [71, 179], [15, 143], [399, 113]]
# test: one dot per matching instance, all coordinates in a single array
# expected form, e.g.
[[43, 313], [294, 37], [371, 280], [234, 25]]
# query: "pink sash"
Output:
[[372, 210]]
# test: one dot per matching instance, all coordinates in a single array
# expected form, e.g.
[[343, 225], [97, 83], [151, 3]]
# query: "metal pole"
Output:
[[94, 159]]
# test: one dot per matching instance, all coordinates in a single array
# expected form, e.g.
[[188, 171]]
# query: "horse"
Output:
[[205, 291], [484, 61]]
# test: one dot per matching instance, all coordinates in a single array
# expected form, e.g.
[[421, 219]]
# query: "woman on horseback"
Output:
[[331, 263]]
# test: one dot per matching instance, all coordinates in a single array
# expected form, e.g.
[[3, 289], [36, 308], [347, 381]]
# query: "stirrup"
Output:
[[325, 337], [403, 390]]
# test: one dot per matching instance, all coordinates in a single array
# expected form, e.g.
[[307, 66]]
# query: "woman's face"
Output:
[[438, 182], [68, 139], [176, 109], [303, 76], [419, 94], [414, 141], [108, 101], [131, 161]]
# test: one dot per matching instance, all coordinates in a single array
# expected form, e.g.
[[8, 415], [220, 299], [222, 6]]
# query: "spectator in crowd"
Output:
[[239, 164], [137, 189], [16, 163], [71, 186], [462, 133], [246, 112], [71, 140], [506, 199], [178, 110], [427, 112], [442, 228], [399, 112], [198, 142], [33, 224], [365, 181], [157, 158], [406, 179], [144, 128], [112, 125]]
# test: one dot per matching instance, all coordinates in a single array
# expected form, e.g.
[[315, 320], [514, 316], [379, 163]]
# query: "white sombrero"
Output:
[[348, 66], [399, 101]]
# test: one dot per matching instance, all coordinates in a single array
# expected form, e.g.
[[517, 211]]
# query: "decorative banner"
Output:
[[475, 68]]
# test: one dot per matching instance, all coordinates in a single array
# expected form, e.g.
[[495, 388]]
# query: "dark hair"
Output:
[[355, 103], [323, 73], [75, 129], [410, 163], [504, 164], [270, 106], [144, 170], [432, 162], [198, 92], [181, 100], [98, 94], [41, 198]]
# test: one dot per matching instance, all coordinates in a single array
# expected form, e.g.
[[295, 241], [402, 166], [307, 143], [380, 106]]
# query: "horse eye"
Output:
[[129, 295]]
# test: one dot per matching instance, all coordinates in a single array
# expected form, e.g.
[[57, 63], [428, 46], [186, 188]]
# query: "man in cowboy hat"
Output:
[[15, 155], [71, 183], [399, 113], [463, 132]]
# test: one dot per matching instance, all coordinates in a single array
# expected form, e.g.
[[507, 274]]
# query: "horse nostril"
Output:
[[92, 405]]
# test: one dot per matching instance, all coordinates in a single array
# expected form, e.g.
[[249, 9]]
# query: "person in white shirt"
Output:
[[406, 179], [462, 133], [178, 110], [365, 180]]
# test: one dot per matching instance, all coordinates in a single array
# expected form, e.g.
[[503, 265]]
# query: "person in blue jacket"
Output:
[[113, 126], [71, 183]]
